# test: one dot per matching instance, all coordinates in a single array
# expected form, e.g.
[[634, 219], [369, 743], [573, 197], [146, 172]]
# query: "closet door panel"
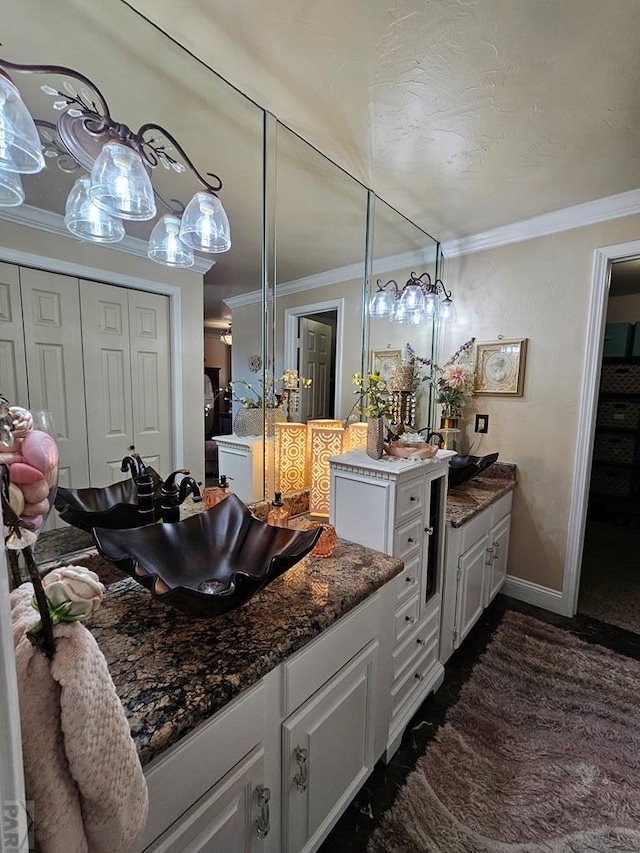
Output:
[[151, 378], [53, 345], [105, 326], [13, 366]]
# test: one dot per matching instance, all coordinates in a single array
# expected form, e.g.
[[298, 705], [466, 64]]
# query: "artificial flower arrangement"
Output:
[[453, 381], [264, 394], [373, 390]]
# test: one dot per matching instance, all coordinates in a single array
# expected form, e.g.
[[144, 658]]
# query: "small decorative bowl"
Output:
[[327, 540], [411, 451]]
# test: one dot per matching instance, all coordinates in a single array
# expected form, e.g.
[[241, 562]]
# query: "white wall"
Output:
[[111, 266], [537, 289]]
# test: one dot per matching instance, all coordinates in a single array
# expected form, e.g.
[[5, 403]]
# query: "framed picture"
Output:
[[500, 367], [383, 361]]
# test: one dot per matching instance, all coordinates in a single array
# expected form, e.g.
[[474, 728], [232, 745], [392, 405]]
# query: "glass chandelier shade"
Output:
[[120, 183], [11, 192], [20, 146], [87, 221], [205, 225], [165, 246], [381, 304], [418, 301]]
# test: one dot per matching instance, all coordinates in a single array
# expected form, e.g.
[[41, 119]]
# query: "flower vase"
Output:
[[375, 437], [248, 422]]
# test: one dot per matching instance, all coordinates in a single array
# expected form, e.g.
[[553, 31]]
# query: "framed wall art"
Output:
[[384, 361], [500, 367]]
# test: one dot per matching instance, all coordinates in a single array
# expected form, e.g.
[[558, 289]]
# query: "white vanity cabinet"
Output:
[[398, 507], [475, 570], [242, 460]]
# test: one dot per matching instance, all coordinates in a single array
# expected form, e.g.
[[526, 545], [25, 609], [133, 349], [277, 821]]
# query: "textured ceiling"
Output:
[[465, 115]]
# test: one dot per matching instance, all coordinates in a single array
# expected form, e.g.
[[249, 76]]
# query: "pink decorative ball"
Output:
[[34, 492], [35, 521], [41, 508], [40, 450], [21, 473]]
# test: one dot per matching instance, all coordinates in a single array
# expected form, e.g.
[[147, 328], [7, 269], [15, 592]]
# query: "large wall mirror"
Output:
[[125, 351]]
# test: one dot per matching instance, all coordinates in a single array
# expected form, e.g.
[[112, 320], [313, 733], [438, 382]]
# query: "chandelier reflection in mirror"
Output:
[[119, 163], [419, 300]]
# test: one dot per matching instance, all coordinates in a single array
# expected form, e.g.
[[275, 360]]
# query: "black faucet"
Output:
[[144, 487], [190, 486], [171, 496]]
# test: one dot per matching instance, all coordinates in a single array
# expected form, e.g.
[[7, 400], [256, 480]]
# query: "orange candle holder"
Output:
[[327, 541]]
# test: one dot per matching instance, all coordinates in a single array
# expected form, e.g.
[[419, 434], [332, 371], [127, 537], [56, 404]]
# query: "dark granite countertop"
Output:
[[173, 672], [477, 494]]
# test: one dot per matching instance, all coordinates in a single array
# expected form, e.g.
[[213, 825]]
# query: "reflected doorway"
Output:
[[313, 343]]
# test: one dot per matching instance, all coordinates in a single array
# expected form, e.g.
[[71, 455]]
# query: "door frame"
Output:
[[290, 349], [600, 283]]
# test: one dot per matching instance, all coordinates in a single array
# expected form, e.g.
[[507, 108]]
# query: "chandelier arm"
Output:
[[395, 286], [150, 126], [63, 71], [447, 293], [173, 205]]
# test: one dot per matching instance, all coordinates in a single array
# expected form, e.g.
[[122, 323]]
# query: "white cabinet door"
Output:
[[151, 378], [53, 345], [498, 548], [233, 817], [13, 366], [107, 361], [470, 589], [328, 752]]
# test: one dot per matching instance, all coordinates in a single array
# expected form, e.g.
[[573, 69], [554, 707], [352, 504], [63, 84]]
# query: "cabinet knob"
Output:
[[413, 498], [419, 676], [429, 531], [421, 642], [300, 779], [410, 580], [262, 824], [410, 619], [411, 539]]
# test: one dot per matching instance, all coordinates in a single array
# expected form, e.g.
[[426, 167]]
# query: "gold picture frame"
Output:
[[500, 367], [384, 362]]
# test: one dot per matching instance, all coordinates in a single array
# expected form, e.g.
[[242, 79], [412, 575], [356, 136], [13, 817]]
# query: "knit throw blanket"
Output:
[[81, 767]]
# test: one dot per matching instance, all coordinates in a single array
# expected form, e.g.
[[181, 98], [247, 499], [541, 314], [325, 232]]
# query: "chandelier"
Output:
[[419, 300], [226, 336], [117, 165]]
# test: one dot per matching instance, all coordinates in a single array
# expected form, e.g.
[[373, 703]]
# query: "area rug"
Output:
[[541, 754]]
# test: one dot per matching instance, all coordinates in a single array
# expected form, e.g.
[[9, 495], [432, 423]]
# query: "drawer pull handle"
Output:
[[413, 498], [421, 642], [262, 824], [429, 531], [410, 619], [300, 779], [419, 676], [411, 580]]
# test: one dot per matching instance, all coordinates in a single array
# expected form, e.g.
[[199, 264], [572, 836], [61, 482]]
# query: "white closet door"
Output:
[[107, 370], [53, 344], [13, 366], [151, 378]]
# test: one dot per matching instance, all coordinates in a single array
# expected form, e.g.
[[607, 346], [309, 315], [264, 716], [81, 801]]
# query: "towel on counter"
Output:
[[81, 767]]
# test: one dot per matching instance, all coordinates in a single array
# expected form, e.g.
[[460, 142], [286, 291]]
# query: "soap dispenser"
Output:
[[216, 493], [170, 497], [278, 516]]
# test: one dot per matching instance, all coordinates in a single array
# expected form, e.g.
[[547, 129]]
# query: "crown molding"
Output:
[[390, 263], [53, 223], [577, 216]]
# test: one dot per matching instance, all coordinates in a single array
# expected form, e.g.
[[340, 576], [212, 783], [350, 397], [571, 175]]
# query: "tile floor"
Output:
[[354, 828]]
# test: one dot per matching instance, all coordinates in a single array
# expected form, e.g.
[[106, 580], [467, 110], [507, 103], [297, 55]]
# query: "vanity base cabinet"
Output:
[[398, 507], [475, 570], [242, 460]]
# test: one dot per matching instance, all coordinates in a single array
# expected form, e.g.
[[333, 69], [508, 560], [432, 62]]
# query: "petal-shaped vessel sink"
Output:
[[209, 563], [463, 468], [115, 506]]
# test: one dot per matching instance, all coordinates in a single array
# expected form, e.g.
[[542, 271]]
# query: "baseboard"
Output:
[[533, 593]]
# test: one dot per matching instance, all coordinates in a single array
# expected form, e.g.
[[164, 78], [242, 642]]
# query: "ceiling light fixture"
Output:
[[120, 162], [415, 303], [226, 336]]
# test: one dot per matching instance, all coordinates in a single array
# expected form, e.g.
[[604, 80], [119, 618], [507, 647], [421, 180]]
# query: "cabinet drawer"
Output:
[[408, 581], [618, 413], [412, 682], [476, 527], [614, 447], [620, 378], [501, 507], [310, 668], [411, 649], [612, 481], [406, 617], [410, 499], [408, 538]]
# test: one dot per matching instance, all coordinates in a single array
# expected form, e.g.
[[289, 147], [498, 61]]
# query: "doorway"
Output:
[[313, 342], [587, 542], [609, 578]]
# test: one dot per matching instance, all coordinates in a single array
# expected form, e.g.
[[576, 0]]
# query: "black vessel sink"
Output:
[[463, 468], [115, 506], [209, 563]]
